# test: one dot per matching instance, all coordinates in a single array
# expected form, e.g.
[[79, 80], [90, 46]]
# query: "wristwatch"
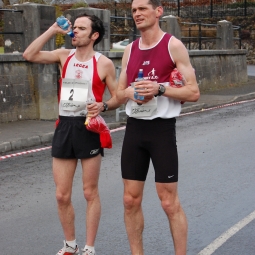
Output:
[[105, 105], [161, 90]]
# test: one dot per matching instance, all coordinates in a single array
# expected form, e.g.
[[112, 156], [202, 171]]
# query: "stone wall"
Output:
[[27, 90]]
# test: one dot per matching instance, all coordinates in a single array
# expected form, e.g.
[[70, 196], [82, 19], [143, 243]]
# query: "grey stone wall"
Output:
[[27, 90], [218, 69]]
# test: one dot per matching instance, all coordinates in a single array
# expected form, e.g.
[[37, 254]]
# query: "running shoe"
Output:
[[68, 250], [88, 252]]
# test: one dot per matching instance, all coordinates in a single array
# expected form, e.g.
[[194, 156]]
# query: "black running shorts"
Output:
[[150, 139], [72, 140]]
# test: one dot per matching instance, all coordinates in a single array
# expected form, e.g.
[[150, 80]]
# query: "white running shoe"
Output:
[[88, 252], [68, 250]]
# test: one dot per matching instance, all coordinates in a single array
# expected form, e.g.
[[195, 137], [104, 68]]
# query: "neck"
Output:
[[84, 53], [150, 37]]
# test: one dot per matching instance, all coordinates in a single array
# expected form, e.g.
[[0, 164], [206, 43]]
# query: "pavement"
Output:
[[25, 134]]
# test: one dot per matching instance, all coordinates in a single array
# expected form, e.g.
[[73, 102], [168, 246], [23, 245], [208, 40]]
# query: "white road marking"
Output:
[[212, 247]]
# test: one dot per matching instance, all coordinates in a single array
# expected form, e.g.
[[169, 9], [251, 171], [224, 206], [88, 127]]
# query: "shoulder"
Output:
[[62, 54], [127, 52], [105, 61], [177, 49], [105, 67], [175, 43]]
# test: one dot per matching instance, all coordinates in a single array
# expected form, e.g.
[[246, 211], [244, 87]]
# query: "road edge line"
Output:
[[212, 247]]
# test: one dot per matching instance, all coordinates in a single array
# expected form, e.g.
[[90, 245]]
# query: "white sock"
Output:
[[71, 243], [91, 248]]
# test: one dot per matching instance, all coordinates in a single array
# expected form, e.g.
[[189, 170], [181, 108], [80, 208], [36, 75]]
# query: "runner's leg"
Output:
[[170, 202], [63, 172], [91, 169], [133, 214]]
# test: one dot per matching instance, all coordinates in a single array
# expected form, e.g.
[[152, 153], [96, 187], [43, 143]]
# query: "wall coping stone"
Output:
[[13, 57], [217, 52]]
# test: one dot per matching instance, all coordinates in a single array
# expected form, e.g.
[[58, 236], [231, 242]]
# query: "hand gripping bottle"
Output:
[[63, 23], [140, 78]]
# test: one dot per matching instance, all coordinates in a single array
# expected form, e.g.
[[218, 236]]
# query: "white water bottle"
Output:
[[63, 23]]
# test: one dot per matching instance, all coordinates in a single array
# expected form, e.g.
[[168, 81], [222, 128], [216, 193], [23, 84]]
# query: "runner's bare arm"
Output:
[[189, 92], [106, 71], [124, 92], [34, 51], [111, 83]]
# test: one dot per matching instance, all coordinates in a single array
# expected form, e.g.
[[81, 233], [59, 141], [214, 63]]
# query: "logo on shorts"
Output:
[[170, 176], [93, 152]]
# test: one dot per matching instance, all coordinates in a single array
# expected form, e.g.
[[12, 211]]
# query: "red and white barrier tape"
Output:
[[24, 153], [217, 107], [122, 128]]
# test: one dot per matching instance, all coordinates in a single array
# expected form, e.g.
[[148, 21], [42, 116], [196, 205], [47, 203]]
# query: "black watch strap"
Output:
[[161, 90], [105, 105]]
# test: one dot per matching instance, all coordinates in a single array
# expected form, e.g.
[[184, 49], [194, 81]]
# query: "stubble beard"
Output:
[[81, 44]]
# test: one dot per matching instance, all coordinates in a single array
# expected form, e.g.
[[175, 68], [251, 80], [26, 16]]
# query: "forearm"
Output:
[[186, 93], [113, 103], [32, 53], [123, 96]]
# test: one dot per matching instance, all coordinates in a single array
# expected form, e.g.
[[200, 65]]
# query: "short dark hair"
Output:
[[154, 3], [96, 25]]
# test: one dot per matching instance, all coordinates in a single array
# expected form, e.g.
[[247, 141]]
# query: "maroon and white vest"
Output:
[[157, 64]]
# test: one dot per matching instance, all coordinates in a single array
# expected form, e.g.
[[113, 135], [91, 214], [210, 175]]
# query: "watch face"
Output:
[[105, 106], [162, 88]]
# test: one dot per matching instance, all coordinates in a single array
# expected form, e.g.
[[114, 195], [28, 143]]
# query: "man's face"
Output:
[[143, 14], [82, 31]]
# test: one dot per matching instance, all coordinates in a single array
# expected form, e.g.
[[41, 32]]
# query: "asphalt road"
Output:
[[216, 188]]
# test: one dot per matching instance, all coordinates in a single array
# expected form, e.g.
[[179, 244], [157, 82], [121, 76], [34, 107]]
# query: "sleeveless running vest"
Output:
[[157, 64], [87, 71]]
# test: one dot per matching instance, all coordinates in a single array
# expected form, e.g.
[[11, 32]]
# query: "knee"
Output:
[[171, 208], [131, 202], [62, 198], [90, 193]]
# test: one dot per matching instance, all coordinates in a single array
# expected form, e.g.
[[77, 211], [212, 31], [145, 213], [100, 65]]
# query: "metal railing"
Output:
[[200, 38], [125, 21], [208, 8], [238, 29]]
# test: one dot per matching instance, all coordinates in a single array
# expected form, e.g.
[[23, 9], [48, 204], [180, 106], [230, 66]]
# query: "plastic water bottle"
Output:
[[63, 23], [140, 78]]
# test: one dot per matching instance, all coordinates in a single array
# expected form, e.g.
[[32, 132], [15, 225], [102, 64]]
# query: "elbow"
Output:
[[26, 56], [29, 56], [196, 96]]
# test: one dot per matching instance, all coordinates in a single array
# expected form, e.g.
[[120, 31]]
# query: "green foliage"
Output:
[[79, 5]]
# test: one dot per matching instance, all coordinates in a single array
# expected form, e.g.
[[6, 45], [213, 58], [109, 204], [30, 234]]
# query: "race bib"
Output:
[[144, 110], [74, 94]]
